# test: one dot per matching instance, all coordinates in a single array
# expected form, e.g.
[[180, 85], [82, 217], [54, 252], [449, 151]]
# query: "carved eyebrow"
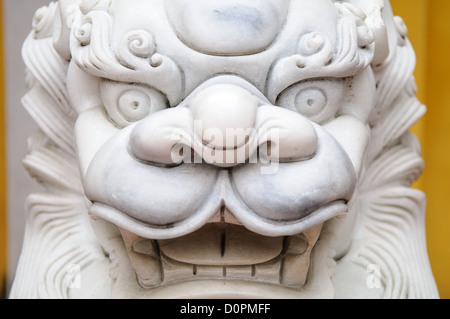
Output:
[[135, 59], [317, 57]]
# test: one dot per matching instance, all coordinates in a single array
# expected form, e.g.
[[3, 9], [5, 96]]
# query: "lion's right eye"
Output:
[[317, 100], [310, 101], [129, 103]]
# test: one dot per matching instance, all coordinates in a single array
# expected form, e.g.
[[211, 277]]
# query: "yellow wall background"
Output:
[[428, 22], [429, 31]]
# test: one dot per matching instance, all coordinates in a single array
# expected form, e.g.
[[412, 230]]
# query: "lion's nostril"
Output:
[[287, 136], [155, 138]]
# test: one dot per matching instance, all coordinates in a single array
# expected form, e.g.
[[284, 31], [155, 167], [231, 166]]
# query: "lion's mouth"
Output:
[[222, 251], [168, 214]]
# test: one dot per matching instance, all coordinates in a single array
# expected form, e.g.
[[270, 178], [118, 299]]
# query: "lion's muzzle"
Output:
[[225, 146]]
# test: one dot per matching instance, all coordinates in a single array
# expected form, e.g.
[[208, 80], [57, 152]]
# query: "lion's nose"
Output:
[[223, 125], [224, 116]]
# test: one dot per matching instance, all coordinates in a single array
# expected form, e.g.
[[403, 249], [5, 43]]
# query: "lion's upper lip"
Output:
[[249, 219]]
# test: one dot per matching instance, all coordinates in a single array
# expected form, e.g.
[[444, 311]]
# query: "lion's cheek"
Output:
[[92, 130], [147, 193], [353, 136], [296, 190]]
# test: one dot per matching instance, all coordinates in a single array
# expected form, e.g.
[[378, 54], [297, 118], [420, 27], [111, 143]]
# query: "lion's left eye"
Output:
[[317, 100], [129, 103]]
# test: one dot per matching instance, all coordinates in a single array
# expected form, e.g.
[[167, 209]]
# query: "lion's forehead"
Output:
[[231, 28], [272, 44]]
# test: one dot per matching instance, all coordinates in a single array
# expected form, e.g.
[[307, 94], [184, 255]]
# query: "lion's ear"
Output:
[[379, 29], [379, 18], [62, 31]]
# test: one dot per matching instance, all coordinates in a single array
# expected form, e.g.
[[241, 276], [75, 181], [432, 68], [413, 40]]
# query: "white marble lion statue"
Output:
[[223, 149]]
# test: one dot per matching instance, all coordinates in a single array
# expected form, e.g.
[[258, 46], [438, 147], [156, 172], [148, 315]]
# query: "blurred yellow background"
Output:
[[429, 31], [428, 22]]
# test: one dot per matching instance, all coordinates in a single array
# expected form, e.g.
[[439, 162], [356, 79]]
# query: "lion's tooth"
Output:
[[229, 218], [267, 272], [144, 256], [296, 245], [216, 218], [210, 271], [312, 235], [148, 270], [239, 272], [174, 270], [294, 271], [223, 215], [146, 247]]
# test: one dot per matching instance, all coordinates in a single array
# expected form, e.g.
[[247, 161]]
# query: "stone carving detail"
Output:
[[184, 144]]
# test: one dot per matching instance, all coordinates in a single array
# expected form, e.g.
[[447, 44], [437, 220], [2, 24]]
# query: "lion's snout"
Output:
[[223, 125]]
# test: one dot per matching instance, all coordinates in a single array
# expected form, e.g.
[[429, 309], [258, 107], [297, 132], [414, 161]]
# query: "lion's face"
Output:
[[220, 136]]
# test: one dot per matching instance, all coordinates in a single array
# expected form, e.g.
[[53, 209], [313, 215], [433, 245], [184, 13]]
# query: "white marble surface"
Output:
[[267, 155]]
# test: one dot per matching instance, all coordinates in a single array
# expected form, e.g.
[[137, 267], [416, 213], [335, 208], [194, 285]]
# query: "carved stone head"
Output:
[[252, 148]]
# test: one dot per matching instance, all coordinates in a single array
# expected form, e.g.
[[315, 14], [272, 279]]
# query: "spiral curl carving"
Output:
[[138, 47], [314, 49], [83, 32], [402, 30], [43, 21], [140, 43], [312, 43]]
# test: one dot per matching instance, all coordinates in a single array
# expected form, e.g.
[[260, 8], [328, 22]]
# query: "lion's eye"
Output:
[[129, 103], [317, 100], [311, 101]]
